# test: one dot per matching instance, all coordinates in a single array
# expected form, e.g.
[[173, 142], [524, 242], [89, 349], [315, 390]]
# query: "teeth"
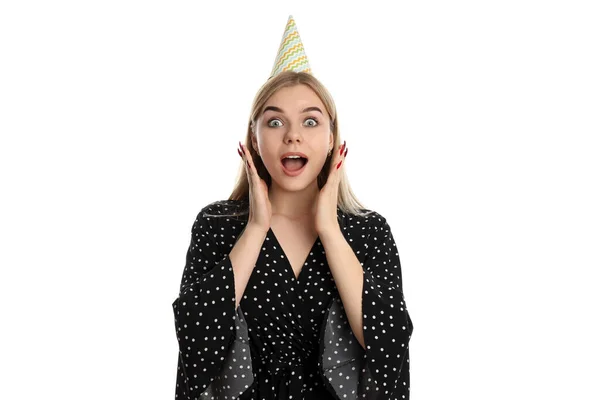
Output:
[[293, 157]]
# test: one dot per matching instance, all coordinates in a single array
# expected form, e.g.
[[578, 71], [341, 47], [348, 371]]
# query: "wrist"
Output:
[[252, 226], [330, 233]]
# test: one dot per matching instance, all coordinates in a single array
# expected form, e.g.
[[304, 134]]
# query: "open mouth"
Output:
[[294, 165]]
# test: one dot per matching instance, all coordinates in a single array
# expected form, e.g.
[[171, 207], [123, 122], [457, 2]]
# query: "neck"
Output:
[[294, 204]]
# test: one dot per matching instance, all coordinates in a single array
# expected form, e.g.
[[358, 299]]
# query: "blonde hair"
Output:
[[347, 201]]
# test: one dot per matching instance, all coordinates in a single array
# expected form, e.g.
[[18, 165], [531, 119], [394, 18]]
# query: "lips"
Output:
[[294, 153], [296, 172], [303, 159]]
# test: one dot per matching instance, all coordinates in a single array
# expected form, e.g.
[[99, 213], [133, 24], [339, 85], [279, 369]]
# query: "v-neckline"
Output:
[[287, 260]]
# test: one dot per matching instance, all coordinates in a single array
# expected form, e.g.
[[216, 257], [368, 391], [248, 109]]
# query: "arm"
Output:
[[348, 275], [244, 256], [211, 330], [387, 324], [372, 301]]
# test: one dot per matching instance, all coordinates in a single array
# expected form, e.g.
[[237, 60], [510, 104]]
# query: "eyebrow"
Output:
[[277, 109]]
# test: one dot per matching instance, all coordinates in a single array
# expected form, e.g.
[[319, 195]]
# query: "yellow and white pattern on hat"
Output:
[[291, 55]]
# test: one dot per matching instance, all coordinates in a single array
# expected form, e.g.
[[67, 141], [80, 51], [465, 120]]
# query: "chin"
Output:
[[295, 183]]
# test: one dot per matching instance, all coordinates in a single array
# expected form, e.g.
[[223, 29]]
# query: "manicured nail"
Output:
[[342, 148], [338, 166], [346, 153], [240, 153]]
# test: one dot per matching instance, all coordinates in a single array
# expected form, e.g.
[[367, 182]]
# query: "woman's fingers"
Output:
[[260, 210], [247, 159], [340, 155]]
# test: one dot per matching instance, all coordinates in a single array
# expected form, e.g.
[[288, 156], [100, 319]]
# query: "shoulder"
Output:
[[368, 219], [224, 208], [221, 215], [363, 228]]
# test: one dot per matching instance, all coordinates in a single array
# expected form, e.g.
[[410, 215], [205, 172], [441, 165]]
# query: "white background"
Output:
[[473, 127]]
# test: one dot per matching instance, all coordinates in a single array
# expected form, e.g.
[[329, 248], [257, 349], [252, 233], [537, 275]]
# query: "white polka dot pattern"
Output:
[[290, 337], [382, 372], [205, 321]]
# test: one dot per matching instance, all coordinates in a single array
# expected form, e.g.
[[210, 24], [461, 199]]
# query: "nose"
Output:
[[293, 134]]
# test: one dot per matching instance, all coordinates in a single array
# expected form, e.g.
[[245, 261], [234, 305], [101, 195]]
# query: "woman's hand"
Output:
[[260, 205], [326, 215]]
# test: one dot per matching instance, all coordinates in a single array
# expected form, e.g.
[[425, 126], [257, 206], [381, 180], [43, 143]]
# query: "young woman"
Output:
[[292, 289]]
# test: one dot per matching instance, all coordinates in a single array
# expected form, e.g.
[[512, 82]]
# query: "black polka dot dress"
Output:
[[290, 337]]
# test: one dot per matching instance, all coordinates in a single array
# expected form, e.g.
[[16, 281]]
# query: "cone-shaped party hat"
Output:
[[291, 56]]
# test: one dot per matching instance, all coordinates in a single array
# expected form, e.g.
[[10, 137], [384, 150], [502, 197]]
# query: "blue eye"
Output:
[[276, 119], [314, 119], [269, 123]]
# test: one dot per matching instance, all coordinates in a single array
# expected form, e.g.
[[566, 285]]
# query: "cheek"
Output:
[[268, 150]]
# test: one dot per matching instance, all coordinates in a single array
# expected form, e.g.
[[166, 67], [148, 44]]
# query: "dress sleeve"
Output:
[[214, 359], [381, 371], [387, 326]]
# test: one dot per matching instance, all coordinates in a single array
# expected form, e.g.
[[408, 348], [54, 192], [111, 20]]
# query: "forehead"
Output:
[[294, 99]]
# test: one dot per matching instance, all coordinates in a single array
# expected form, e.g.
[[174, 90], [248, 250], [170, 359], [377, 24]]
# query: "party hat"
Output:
[[291, 56]]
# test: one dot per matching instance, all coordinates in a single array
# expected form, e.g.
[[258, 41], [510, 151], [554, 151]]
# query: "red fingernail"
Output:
[[346, 153], [342, 148], [239, 152], [338, 166]]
